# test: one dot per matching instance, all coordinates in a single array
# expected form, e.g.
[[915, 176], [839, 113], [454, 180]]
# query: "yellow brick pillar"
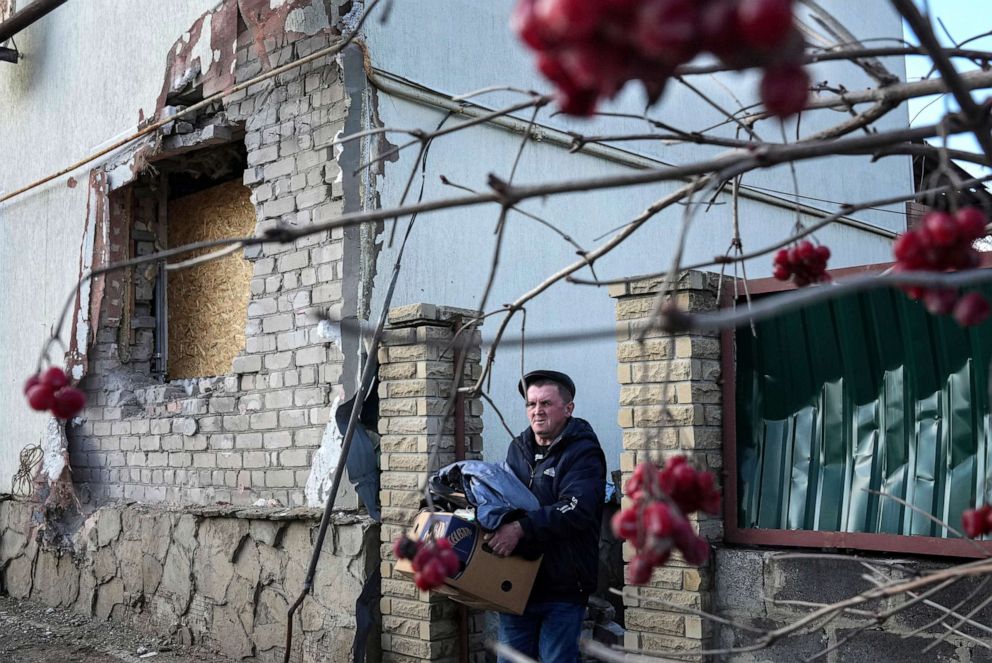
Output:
[[416, 371], [670, 404]]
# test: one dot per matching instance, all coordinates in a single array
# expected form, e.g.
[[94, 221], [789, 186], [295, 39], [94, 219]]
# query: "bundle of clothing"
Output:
[[490, 489]]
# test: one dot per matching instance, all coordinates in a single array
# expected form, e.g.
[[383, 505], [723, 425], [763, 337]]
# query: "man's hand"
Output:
[[504, 540]]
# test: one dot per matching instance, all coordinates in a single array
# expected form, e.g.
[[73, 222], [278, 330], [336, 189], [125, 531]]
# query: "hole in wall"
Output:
[[188, 323]]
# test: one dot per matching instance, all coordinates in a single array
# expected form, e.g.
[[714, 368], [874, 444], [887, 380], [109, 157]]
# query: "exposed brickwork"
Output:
[[249, 434], [682, 371], [416, 371]]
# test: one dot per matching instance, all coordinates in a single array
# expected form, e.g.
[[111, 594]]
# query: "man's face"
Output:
[[547, 411]]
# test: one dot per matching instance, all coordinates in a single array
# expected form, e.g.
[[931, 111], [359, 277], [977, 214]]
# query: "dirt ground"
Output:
[[34, 633]]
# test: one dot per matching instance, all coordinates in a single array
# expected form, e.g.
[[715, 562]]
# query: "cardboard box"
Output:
[[486, 581]]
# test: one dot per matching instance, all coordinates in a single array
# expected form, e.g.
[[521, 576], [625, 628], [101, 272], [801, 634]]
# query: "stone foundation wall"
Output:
[[219, 576]]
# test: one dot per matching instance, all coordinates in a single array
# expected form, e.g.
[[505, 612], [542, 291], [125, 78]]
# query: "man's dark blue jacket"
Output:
[[569, 482]]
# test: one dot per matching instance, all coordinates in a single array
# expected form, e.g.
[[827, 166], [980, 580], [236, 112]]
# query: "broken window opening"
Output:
[[190, 323], [206, 305]]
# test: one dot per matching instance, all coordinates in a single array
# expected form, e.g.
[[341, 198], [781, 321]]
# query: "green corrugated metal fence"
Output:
[[867, 391]]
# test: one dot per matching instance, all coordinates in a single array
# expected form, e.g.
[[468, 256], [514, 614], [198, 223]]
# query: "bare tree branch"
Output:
[[777, 305], [847, 209], [978, 116], [872, 66], [847, 52]]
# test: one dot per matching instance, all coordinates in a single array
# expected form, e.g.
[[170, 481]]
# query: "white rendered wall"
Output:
[[463, 45], [91, 66]]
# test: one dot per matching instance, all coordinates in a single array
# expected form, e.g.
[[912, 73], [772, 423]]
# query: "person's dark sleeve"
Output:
[[581, 491]]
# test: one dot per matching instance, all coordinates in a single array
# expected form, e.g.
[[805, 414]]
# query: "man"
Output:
[[560, 460]]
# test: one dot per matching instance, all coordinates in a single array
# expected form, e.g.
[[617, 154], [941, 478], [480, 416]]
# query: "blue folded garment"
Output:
[[491, 488]]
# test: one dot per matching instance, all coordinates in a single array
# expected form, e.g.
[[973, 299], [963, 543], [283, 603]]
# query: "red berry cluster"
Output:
[[977, 522], [51, 391], [943, 242], [590, 48], [804, 263], [432, 561], [657, 521]]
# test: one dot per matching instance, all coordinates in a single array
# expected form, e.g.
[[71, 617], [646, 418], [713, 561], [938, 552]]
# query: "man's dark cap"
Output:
[[554, 376]]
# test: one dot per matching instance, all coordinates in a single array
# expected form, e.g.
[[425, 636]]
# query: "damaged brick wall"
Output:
[[218, 576], [250, 434]]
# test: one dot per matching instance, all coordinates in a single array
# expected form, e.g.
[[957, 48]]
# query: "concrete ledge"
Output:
[[277, 513], [689, 280], [415, 315]]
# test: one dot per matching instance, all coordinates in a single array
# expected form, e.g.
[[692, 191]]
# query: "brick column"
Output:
[[416, 371], [682, 370]]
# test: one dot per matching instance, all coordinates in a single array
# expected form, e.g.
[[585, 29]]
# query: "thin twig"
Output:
[[952, 611], [799, 603], [590, 257], [207, 257], [830, 611], [964, 635], [482, 119], [846, 209], [661, 298], [915, 598], [845, 52], [871, 66], [837, 645], [730, 116], [501, 222], [499, 414], [633, 593], [373, 132], [891, 94], [930, 516], [581, 140], [519, 210], [957, 625], [947, 612], [777, 305], [978, 116]]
